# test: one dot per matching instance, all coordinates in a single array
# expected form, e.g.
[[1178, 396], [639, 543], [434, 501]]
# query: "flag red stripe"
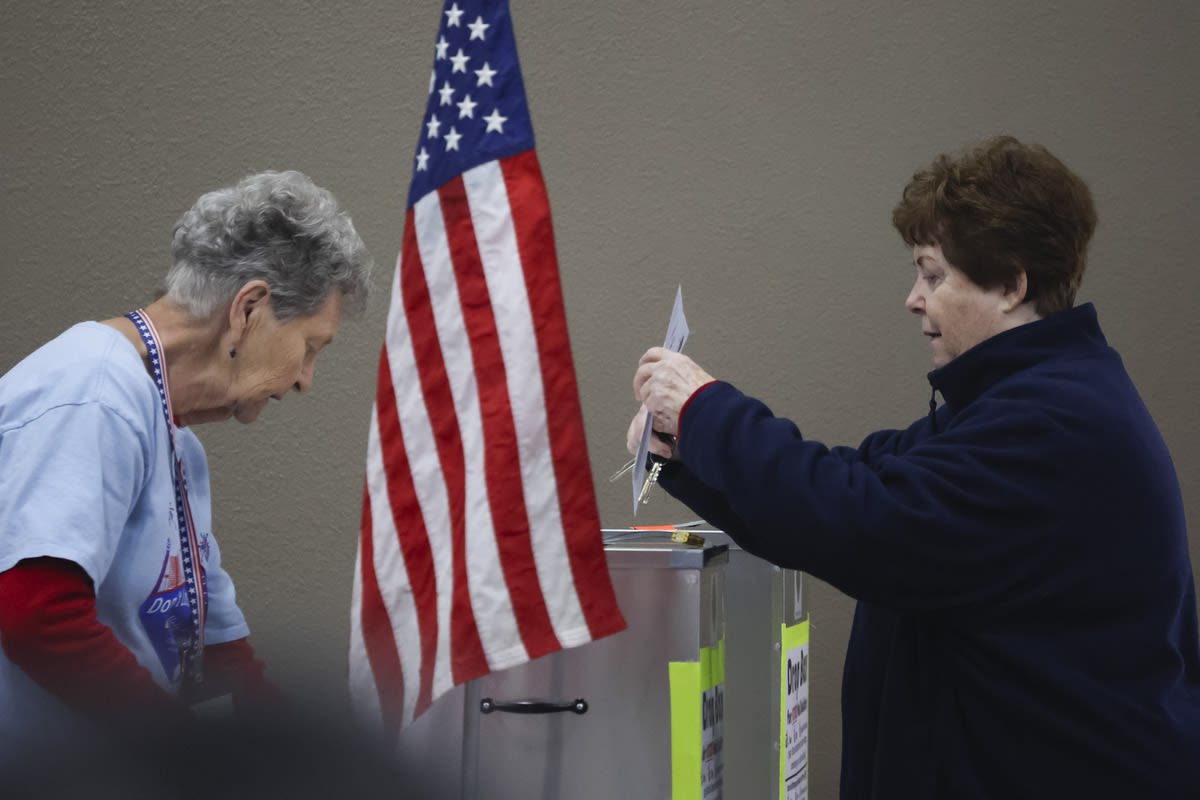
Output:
[[378, 639], [467, 659], [510, 520], [410, 528], [580, 517], [494, 481]]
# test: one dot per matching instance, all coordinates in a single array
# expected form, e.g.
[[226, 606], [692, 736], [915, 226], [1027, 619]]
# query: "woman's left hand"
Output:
[[663, 383]]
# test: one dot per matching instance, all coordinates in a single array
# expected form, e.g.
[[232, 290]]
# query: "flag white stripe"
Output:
[[550, 611], [389, 560], [486, 584], [427, 475], [497, 240], [364, 692]]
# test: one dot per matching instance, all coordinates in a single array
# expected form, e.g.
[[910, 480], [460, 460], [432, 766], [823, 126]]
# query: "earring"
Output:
[[233, 352]]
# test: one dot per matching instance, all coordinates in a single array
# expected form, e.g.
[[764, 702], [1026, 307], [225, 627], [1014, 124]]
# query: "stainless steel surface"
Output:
[[658, 552], [759, 599], [470, 742], [676, 599], [672, 598]]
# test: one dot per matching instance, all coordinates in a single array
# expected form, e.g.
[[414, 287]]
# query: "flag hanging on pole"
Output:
[[480, 546]]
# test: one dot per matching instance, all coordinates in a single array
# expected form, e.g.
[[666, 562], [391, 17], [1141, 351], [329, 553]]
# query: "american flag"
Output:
[[480, 546]]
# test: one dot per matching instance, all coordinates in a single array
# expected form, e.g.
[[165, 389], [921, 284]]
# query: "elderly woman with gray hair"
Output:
[[114, 606]]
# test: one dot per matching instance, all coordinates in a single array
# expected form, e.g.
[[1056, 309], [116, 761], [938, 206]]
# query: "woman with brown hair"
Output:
[[1026, 624]]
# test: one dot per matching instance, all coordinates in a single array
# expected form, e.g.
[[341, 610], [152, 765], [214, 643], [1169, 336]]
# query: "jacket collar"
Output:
[[1074, 331]]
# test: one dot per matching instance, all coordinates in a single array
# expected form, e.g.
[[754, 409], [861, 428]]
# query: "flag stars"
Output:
[[433, 126], [477, 28], [452, 16], [447, 93], [495, 122], [467, 107], [422, 160], [442, 48], [432, 80], [452, 137], [485, 75], [460, 62]]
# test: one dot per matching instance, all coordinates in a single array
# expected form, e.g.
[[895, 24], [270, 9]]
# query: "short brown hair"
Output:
[[999, 208]]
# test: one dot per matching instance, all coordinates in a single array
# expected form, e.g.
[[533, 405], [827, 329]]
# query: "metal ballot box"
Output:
[[765, 725], [596, 722], [766, 630], [689, 701]]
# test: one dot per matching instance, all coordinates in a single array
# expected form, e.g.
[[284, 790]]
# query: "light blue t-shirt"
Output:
[[85, 475]]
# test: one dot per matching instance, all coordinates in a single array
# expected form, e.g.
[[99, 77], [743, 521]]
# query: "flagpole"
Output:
[[470, 742]]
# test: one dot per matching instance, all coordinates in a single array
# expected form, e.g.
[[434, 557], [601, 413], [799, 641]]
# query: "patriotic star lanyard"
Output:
[[189, 545]]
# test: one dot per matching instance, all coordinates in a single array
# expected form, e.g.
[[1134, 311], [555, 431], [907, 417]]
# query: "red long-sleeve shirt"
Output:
[[49, 628]]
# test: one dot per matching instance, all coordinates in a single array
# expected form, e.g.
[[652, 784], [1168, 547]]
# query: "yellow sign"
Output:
[[793, 712], [697, 725]]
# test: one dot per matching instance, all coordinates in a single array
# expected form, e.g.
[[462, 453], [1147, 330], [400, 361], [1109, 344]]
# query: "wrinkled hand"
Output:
[[633, 438], [662, 384]]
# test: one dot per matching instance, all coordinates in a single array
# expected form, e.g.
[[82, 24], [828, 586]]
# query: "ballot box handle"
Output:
[[577, 706]]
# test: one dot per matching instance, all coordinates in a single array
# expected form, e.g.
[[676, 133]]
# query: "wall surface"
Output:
[[751, 152]]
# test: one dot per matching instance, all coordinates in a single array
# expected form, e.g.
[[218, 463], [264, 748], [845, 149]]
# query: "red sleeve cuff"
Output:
[[232, 667]]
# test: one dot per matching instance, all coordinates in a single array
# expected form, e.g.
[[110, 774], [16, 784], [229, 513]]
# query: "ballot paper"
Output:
[[677, 334]]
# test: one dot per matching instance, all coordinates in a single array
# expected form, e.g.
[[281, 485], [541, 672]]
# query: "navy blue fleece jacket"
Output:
[[1027, 623]]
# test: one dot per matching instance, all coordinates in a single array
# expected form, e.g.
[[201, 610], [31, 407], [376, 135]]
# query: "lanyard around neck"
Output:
[[193, 572]]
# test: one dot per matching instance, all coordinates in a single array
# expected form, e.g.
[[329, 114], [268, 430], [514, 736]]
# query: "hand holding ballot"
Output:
[[663, 383], [639, 438]]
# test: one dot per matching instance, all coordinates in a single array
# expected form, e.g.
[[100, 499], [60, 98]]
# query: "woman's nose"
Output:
[[305, 381], [914, 302]]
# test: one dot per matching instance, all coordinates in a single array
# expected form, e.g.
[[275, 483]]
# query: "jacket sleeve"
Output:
[[708, 503], [682, 484], [917, 523]]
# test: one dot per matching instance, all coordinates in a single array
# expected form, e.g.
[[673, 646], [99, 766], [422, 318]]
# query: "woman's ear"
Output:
[[1015, 291], [252, 297]]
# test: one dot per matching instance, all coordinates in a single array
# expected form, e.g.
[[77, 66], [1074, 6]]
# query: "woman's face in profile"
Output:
[[276, 357], [956, 313]]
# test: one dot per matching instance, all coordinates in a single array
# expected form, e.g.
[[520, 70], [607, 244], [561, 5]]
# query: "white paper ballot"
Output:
[[677, 328], [677, 335]]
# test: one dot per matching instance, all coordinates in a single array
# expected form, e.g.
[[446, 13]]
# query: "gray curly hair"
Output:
[[279, 227]]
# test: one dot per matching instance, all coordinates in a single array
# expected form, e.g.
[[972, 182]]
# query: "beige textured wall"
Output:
[[750, 151]]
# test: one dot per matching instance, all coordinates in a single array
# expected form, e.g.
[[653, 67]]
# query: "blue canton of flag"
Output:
[[477, 110]]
